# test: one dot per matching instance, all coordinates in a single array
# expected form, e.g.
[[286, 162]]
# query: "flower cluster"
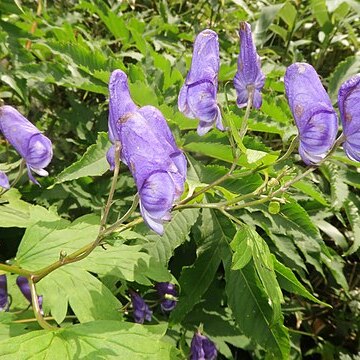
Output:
[[197, 97], [202, 348], [23, 284], [142, 312], [149, 149], [34, 147], [315, 116]]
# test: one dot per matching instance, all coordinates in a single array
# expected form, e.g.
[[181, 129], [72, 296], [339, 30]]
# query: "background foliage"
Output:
[[285, 285]]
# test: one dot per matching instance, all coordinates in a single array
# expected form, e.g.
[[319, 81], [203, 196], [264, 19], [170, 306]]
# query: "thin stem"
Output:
[[36, 307], [243, 128], [24, 321], [18, 177], [15, 270]]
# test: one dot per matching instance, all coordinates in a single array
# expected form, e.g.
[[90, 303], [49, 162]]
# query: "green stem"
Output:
[[36, 307], [18, 177], [243, 128], [15, 270]]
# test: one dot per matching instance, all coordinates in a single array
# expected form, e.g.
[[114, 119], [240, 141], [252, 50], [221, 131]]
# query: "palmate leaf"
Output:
[[252, 312], [93, 340], [92, 163], [73, 284], [247, 245]]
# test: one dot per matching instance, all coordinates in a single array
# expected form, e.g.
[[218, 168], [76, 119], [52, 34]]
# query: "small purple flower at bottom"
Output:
[[4, 298], [141, 309], [202, 348], [168, 294], [4, 181], [348, 100], [23, 284]]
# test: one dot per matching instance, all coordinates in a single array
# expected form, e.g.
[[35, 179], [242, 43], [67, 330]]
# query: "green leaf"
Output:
[[94, 340], [319, 11], [242, 250], [92, 163], [143, 94], [310, 189], [289, 282], [252, 312], [352, 213], [162, 247]]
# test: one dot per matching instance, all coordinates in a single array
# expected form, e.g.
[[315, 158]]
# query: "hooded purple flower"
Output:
[[197, 97], [312, 110], [168, 294], [34, 147], [249, 76], [4, 181], [348, 100], [149, 149], [4, 298], [23, 284], [202, 348], [141, 309]]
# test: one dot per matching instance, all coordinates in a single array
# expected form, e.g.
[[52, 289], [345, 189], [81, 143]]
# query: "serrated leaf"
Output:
[[242, 250], [352, 212], [289, 282], [309, 189], [162, 247], [112, 339], [92, 163]]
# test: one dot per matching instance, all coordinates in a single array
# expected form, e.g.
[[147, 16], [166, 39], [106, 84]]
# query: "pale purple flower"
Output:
[[348, 101], [149, 149], [197, 97], [202, 348], [4, 297], [168, 294], [23, 284], [314, 115], [4, 181], [249, 76], [34, 147], [141, 309]]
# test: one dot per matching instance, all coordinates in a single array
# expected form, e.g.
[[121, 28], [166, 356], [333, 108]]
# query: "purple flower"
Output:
[[249, 76], [34, 147], [348, 100], [4, 298], [202, 348], [4, 181], [141, 309], [23, 284], [197, 97], [149, 149], [168, 294], [312, 110]]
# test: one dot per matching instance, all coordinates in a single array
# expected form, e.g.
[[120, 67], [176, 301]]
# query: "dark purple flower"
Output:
[[149, 149], [4, 181], [202, 348], [34, 147], [23, 284], [249, 76], [141, 309], [349, 100], [168, 294], [197, 97], [4, 298], [312, 110]]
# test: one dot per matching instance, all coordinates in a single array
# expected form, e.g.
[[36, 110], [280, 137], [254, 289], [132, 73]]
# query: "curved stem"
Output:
[[18, 177], [243, 128]]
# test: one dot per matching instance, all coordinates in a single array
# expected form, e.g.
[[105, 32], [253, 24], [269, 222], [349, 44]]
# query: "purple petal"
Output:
[[110, 157], [23, 284], [249, 71], [197, 97], [29, 142], [348, 101], [4, 181], [164, 289], [120, 101], [202, 348], [312, 110], [4, 298], [141, 309]]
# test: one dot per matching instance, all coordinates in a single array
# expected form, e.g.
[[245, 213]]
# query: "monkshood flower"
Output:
[[34, 147], [197, 97], [314, 115], [168, 294], [202, 348], [149, 149], [348, 101], [23, 284], [4, 181], [4, 298], [249, 77], [141, 309]]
